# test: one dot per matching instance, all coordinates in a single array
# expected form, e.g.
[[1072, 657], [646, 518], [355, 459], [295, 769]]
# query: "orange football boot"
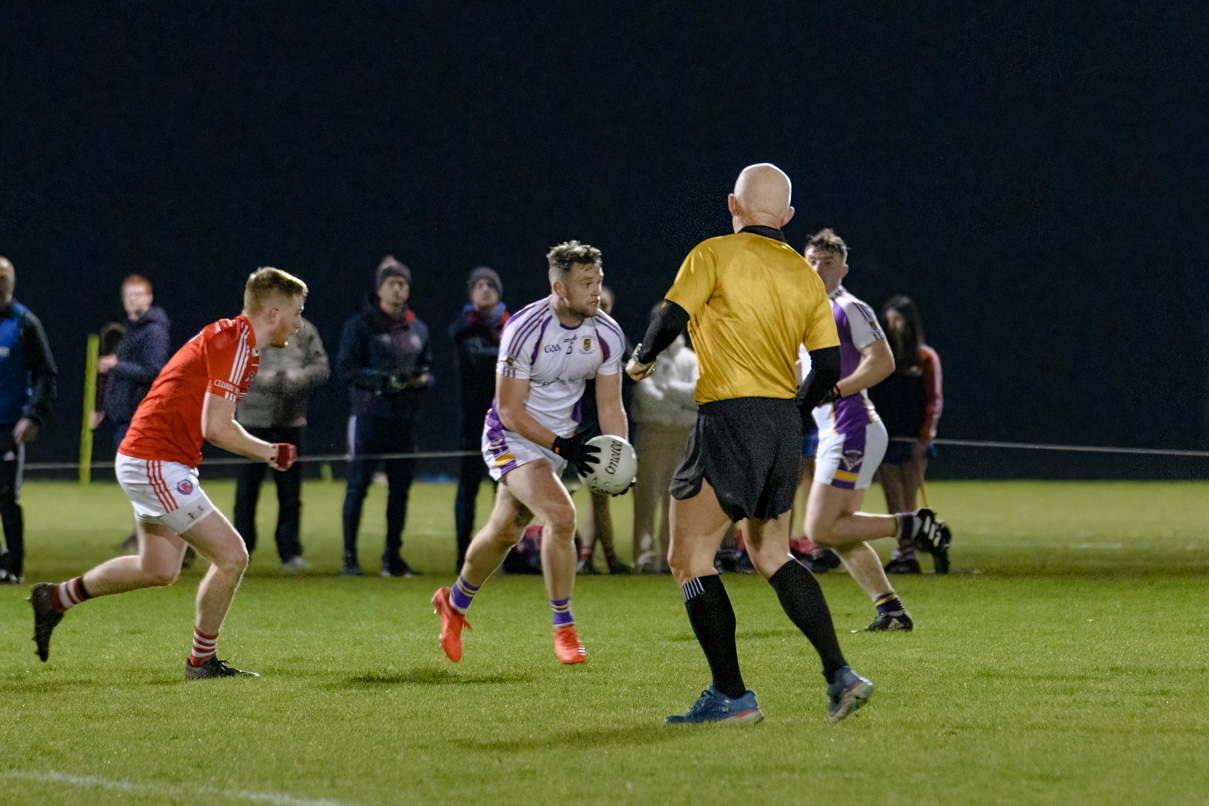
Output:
[[452, 623], [568, 646]]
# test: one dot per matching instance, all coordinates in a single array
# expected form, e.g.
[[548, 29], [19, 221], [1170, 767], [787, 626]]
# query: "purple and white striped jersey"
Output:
[[557, 360], [858, 327]]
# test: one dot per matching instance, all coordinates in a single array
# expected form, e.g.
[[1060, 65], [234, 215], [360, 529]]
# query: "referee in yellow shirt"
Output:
[[749, 300]]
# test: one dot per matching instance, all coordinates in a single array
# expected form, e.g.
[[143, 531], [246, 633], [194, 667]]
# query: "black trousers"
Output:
[[12, 463], [289, 496], [473, 471], [371, 435]]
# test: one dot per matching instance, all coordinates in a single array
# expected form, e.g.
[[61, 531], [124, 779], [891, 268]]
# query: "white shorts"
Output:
[[504, 451], [849, 460], [166, 493]]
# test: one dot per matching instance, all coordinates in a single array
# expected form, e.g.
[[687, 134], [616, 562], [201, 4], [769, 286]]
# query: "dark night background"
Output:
[[1035, 175]]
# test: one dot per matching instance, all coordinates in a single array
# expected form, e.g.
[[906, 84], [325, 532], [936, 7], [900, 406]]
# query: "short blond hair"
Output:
[[267, 282], [568, 255]]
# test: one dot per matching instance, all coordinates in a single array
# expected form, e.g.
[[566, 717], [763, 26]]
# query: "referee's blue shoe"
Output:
[[714, 706], [849, 692]]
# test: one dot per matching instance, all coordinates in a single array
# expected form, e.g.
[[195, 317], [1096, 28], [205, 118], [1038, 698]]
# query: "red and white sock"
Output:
[[69, 594], [203, 647]]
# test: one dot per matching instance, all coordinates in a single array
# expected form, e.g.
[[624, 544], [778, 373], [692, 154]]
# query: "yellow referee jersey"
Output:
[[751, 300]]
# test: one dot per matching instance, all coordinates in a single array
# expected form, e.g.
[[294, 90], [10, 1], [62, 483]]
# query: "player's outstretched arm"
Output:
[[219, 428], [668, 322]]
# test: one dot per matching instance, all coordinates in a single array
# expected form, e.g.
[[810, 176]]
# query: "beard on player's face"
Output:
[[581, 290]]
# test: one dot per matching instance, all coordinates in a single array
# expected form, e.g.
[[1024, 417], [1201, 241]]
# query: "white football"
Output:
[[616, 465]]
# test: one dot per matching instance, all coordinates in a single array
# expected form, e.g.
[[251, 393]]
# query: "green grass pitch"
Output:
[[1065, 660]]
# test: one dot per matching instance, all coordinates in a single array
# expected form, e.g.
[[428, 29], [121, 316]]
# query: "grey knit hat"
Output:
[[390, 267], [485, 273]]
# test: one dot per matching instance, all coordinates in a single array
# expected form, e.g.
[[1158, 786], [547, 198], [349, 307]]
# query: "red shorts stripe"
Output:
[[159, 473], [155, 485]]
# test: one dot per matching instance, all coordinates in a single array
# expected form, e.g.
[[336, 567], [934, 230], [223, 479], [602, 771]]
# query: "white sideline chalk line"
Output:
[[277, 798]]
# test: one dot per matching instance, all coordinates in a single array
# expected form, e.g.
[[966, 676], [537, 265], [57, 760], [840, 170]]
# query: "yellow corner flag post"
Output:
[[90, 404]]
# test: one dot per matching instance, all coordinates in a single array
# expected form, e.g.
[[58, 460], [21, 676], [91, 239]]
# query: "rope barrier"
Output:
[[1033, 446], [239, 460], [959, 443]]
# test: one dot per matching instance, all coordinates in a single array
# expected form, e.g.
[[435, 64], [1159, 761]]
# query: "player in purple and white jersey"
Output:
[[852, 442], [548, 351]]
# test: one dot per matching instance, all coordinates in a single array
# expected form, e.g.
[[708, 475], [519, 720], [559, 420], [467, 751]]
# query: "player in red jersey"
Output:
[[192, 400]]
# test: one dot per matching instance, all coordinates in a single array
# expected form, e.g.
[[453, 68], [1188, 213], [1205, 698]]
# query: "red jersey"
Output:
[[220, 360]]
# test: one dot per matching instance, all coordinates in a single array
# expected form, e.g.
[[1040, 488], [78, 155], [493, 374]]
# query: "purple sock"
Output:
[[461, 595], [562, 612], [889, 605]]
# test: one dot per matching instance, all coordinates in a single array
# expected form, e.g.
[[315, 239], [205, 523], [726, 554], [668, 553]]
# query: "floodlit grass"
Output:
[[1064, 660]]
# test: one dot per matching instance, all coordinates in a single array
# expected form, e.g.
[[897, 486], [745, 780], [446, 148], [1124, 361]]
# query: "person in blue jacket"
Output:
[[385, 360], [28, 387]]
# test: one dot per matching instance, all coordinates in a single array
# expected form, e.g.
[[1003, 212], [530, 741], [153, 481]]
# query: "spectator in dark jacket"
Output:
[[386, 361], [128, 370], [138, 358], [275, 410], [476, 344], [110, 336], [28, 387]]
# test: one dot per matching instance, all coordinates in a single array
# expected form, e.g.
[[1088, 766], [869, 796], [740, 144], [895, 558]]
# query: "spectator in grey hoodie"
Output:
[[665, 413], [275, 411]]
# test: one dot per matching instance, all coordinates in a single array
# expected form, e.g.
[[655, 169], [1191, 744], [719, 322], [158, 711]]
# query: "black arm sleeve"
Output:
[[668, 322], [42, 371], [824, 374]]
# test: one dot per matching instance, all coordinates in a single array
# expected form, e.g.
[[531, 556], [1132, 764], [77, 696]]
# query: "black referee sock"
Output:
[[713, 621], [802, 599]]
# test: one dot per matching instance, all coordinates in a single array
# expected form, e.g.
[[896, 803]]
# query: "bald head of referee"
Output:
[[761, 197], [749, 301]]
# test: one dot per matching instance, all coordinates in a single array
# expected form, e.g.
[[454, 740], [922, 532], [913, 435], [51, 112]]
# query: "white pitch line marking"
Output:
[[275, 798]]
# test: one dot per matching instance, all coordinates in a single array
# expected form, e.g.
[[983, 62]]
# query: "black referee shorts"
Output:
[[749, 449]]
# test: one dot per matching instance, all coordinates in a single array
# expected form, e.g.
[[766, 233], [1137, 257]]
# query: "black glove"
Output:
[[807, 413], [576, 451]]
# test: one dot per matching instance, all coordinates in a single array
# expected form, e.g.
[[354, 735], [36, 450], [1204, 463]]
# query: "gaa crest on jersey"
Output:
[[587, 348], [185, 487], [852, 459]]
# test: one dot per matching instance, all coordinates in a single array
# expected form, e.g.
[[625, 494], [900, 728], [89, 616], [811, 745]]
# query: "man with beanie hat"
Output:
[[386, 361], [476, 342]]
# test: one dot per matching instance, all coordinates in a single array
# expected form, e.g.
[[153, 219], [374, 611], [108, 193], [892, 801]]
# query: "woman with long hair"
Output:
[[909, 402]]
